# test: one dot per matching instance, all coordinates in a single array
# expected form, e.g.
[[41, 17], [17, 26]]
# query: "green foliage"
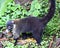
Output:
[[3, 6]]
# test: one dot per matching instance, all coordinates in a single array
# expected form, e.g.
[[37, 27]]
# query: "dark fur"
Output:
[[33, 24]]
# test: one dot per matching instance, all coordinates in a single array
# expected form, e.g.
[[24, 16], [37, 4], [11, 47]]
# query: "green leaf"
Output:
[[37, 6], [36, 13]]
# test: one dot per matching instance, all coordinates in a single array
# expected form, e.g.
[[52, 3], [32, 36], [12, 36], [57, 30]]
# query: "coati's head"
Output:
[[9, 27]]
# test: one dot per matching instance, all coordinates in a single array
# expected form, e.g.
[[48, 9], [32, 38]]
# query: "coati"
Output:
[[31, 24]]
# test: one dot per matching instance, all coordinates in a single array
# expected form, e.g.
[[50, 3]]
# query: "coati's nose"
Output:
[[7, 31]]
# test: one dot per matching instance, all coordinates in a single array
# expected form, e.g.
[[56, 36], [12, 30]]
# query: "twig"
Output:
[[51, 42]]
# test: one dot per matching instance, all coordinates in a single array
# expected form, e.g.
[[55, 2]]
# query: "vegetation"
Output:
[[9, 10]]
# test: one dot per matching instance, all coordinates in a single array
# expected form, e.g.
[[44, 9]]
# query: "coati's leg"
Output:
[[37, 36], [15, 42], [26, 35]]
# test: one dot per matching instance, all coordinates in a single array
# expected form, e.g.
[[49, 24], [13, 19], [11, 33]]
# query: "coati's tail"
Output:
[[50, 14]]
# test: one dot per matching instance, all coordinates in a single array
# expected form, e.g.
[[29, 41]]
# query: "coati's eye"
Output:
[[10, 28]]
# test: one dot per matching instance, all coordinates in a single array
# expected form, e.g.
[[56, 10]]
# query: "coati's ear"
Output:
[[10, 22], [13, 21]]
